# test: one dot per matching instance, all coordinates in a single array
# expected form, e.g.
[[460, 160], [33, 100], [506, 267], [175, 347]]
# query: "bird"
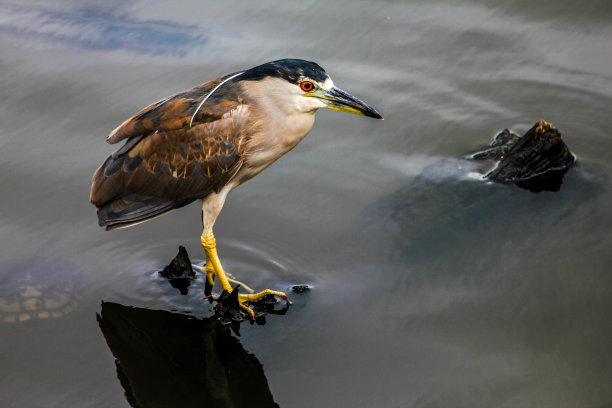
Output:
[[202, 143]]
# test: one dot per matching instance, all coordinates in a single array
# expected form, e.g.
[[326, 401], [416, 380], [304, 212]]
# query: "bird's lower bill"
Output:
[[340, 100]]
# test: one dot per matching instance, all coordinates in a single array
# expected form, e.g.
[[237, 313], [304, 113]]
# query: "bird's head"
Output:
[[305, 86]]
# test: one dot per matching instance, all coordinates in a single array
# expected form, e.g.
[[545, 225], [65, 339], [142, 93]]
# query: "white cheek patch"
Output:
[[317, 103], [308, 104], [328, 84]]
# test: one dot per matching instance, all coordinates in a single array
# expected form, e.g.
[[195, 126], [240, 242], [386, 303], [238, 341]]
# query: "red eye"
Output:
[[306, 86]]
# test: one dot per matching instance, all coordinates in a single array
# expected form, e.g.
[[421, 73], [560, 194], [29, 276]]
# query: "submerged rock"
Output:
[[455, 198], [38, 288]]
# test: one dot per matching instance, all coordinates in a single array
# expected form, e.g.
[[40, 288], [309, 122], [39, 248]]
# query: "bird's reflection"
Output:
[[166, 359]]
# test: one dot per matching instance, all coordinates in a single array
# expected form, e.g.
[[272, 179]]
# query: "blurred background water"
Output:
[[468, 296]]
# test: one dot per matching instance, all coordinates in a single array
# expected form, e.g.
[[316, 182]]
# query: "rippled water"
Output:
[[426, 292]]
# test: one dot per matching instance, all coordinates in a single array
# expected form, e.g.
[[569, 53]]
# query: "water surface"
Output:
[[475, 295]]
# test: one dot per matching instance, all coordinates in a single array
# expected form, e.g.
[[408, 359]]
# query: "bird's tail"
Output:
[[131, 209]]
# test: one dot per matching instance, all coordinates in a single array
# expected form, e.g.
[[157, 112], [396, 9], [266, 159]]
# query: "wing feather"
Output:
[[165, 163], [174, 112]]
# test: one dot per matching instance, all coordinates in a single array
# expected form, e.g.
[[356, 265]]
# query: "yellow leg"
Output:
[[213, 262], [213, 265], [210, 274], [206, 269]]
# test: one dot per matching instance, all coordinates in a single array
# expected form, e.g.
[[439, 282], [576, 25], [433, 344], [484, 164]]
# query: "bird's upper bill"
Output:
[[340, 100]]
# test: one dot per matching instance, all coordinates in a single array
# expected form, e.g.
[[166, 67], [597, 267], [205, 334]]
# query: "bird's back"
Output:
[[169, 160]]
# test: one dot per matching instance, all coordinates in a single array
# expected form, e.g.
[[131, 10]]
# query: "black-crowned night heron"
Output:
[[202, 143]]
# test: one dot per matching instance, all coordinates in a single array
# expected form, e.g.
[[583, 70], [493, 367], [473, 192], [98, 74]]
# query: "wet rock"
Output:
[[537, 161], [179, 272], [453, 197], [499, 147], [228, 310], [300, 288]]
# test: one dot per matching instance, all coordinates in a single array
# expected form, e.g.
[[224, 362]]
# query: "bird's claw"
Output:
[[229, 303]]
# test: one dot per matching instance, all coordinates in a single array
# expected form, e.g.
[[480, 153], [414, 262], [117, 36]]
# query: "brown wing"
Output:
[[175, 112], [166, 163]]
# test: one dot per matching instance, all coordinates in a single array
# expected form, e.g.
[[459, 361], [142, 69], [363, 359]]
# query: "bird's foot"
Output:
[[262, 301], [231, 303], [256, 297], [213, 267]]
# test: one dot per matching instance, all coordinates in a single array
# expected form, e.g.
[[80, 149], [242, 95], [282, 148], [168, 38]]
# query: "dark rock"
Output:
[[179, 272], [454, 196], [300, 288], [179, 267], [537, 161], [499, 147], [228, 309]]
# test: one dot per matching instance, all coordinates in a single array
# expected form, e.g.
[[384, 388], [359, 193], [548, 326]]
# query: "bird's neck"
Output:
[[281, 125], [285, 115], [278, 134]]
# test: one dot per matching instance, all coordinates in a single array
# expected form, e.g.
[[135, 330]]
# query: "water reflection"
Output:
[[473, 294], [166, 359]]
